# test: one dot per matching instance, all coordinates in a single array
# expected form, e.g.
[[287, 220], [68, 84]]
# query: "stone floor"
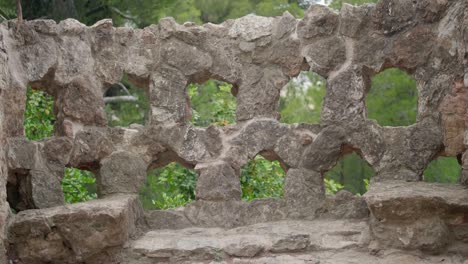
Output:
[[317, 242]]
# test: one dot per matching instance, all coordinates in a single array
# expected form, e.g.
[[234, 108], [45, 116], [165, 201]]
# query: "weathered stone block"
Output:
[[303, 192], [73, 233], [121, 172], [218, 182], [416, 215]]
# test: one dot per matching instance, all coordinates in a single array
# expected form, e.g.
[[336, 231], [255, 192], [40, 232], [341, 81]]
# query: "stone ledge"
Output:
[[418, 215], [211, 244], [289, 241], [73, 233]]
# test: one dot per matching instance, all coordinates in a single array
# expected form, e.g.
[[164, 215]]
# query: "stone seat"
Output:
[[418, 215], [74, 233], [407, 221], [289, 241]]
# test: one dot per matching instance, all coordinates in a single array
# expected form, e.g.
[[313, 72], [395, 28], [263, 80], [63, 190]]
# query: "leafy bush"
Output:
[[261, 178], [443, 170], [212, 103], [168, 187], [78, 186], [39, 116], [331, 186]]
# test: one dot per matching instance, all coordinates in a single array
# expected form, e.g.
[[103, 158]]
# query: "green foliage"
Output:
[[261, 178], [168, 187], [39, 116], [352, 173], [167, 202], [302, 102], [78, 186], [337, 4], [443, 170], [393, 98], [331, 186], [212, 103], [145, 12], [7, 10]]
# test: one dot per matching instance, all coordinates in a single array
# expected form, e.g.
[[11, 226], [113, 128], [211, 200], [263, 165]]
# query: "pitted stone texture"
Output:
[[352, 257], [209, 244], [258, 56], [303, 192], [35, 172], [121, 172], [409, 150], [392, 16], [319, 21], [455, 118], [73, 233], [191, 144], [464, 172], [325, 150], [218, 182], [343, 205], [417, 215], [90, 146], [229, 214]]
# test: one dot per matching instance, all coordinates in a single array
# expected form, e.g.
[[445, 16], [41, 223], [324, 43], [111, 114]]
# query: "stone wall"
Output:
[[258, 56]]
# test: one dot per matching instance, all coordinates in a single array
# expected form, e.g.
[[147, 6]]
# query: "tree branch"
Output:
[[120, 13], [118, 99], [123, 87], [19, 13]]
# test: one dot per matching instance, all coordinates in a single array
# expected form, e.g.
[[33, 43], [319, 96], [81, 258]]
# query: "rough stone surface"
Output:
[[76, 64], [418, 215], [73, 233], [202, 244], [301, 242], [121, 172], [218, 182]]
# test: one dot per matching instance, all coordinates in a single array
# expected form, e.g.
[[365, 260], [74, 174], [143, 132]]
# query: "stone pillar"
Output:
[[121, 172], [218, 182], [304, 192], [4, 208], [464, 171]]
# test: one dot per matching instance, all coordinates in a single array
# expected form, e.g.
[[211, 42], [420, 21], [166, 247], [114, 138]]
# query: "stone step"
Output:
[[201, 244], [418, 215], [301, 242]]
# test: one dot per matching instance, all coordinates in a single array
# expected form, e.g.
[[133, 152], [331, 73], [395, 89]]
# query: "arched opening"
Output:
[[393, 98], [78, 185], [126, 104], [212, 103], [442, 170], [39, 115], [167, 187], [262, 178], [350, 173], [301, 99]]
